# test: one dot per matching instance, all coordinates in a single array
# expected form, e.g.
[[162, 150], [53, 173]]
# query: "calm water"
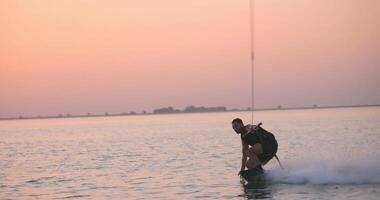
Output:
[[327, 154]]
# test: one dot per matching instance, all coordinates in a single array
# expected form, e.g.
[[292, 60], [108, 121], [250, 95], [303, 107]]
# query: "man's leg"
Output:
[[252, 154], [257, 149], [252, 162]]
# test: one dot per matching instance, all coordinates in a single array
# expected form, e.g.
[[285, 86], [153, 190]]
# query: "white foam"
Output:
[[359, 171]]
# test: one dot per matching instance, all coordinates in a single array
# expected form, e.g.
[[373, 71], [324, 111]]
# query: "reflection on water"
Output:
[[257, 193], [190, 156], [256, 188]]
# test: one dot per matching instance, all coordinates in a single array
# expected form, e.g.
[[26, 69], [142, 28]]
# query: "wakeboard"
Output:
[[252, 175]]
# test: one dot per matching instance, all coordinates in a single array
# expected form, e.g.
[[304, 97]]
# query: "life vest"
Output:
[[257, 134]]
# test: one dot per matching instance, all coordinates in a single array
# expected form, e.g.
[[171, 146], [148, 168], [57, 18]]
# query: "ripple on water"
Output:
[[75, 196]]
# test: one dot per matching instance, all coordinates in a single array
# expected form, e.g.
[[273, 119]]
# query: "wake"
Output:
[[364, 171]]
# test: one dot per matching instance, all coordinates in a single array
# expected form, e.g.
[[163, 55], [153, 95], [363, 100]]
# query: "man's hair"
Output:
[[237, 120]]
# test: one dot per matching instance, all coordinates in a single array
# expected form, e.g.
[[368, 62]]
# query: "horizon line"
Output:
[[106, 114]]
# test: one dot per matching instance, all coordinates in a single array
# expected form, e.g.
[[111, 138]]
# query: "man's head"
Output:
[[238, 126]]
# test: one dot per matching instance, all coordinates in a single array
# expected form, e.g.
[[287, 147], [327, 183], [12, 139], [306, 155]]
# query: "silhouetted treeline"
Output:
[[189, 109], [166, 110]]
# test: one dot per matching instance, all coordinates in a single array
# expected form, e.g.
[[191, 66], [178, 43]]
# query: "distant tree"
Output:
[[190, 109], [315, 106], [164, 110], [204, 109], [279, 107]]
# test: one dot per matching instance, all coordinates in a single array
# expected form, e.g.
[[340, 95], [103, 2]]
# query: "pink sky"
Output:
[[81, 56]]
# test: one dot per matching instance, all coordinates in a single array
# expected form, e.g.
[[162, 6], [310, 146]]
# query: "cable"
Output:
[[252, 28]]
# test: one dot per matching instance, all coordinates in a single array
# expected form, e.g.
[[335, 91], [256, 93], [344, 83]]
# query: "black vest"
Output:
[[263, 137], [250, 138]]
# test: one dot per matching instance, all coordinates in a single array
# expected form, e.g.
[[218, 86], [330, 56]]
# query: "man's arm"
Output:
[[244, 155]]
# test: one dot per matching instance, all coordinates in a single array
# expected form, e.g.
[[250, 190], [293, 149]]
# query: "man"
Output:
[[259, 145]]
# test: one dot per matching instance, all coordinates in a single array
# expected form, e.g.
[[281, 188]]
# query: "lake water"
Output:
[[327, 154]]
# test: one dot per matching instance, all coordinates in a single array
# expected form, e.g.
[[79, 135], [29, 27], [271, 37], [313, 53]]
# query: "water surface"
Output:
[[327, 154]]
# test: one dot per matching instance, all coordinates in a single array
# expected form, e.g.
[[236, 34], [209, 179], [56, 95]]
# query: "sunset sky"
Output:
[[80, 56]]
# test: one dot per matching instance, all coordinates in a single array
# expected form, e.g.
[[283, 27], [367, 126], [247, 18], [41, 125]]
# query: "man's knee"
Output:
[[257, 149], [253, 161]]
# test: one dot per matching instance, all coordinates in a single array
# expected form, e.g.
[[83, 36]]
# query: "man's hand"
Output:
[[240, 172]]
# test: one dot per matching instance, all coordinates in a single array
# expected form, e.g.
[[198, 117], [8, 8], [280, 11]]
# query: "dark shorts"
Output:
[[265, 157], [270, 149]]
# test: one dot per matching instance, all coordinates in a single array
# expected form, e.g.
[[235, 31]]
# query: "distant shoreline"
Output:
[[184, 112]]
